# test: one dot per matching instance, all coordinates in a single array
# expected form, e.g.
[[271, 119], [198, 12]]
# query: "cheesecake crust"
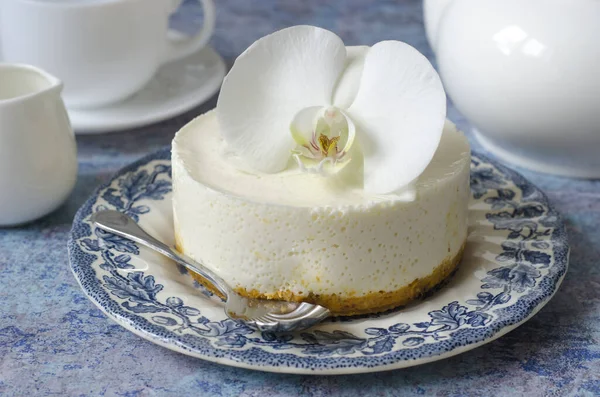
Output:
[[349, 304]]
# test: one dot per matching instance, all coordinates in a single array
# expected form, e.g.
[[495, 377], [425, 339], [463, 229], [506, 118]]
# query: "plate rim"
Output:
[[561, 251]]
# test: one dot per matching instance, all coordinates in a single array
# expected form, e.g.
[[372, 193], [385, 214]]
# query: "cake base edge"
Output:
[[350, 305]]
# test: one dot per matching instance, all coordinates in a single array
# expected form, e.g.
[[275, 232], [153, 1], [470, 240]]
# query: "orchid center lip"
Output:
[[324, 136]]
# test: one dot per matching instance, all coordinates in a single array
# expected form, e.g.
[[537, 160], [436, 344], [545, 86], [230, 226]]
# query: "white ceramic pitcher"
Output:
[[38, 160], [527, 76]]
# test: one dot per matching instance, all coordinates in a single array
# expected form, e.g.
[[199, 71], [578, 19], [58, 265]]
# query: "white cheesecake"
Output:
[[300, 237]]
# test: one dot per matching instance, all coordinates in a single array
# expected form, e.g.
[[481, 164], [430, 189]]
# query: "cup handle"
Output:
[[178, 48]]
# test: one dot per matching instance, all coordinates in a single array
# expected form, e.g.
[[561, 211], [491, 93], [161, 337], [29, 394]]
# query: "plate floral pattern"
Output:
[[516, 257]]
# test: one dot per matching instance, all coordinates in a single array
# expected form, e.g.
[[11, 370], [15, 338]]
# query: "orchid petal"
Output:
[[399, 111], [269, 83], [349, 81]]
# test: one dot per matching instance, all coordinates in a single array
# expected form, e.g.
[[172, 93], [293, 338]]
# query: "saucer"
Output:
[[176, 88], [515, 259]]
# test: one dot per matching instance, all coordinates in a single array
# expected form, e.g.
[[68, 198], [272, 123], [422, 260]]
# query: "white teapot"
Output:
[[527, 75]]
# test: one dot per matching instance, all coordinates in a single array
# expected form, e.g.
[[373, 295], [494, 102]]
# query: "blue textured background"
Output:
[[53, 341]]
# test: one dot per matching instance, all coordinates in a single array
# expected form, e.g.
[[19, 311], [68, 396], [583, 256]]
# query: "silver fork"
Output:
[[260, 314]]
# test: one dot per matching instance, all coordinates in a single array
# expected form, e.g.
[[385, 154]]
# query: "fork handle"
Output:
[[122, 225]]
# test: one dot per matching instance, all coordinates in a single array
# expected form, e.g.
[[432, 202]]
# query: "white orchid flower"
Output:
[[300, 92]]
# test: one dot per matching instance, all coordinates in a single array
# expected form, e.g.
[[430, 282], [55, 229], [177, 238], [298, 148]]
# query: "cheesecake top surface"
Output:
[[206, 158]]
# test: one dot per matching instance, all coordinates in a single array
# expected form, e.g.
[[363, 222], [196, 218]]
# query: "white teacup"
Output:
[[103, 50]]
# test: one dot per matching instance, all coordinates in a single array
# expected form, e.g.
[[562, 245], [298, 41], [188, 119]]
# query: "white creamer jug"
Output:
[[38, 160]]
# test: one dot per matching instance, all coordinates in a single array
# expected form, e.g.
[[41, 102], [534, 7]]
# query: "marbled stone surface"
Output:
[[53, 341]]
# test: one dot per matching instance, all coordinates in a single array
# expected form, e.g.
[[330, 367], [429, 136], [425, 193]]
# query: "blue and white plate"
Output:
[[515, 259]]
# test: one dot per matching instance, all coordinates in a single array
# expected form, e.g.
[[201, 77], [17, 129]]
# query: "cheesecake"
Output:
[[298, 236]]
